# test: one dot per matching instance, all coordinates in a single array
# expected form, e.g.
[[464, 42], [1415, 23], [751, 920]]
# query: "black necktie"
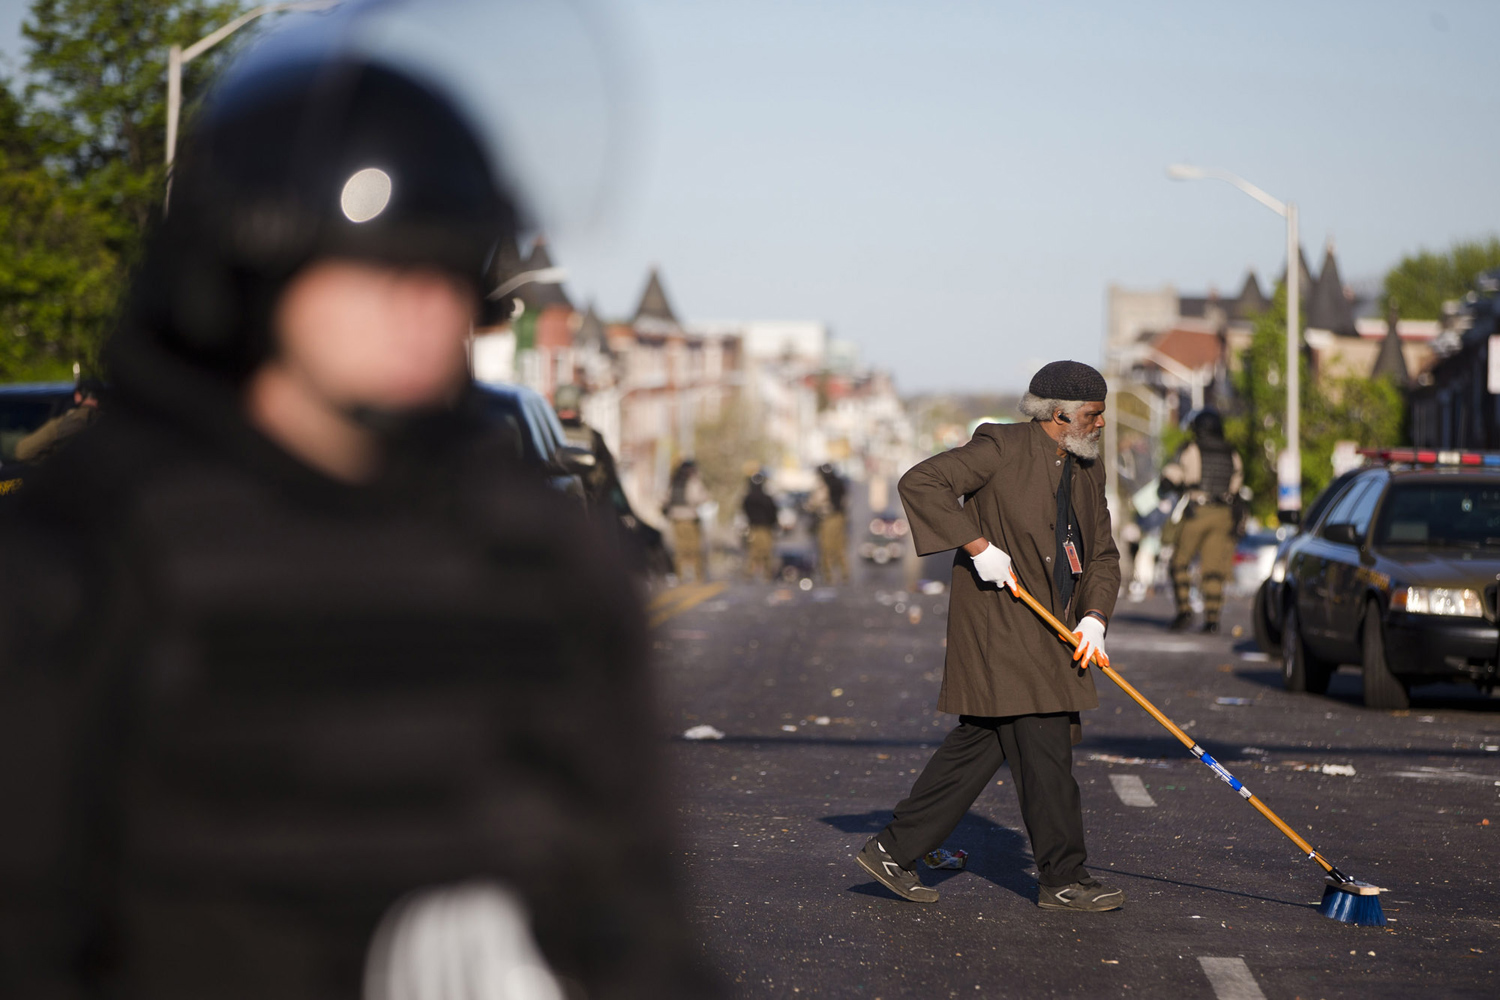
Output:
[[1062, 572]]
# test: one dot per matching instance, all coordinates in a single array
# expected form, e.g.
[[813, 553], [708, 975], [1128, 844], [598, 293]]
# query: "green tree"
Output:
[[724, 448], [81, 167], [1421, 283], [1366, 411], [96, 88], [57, 274]]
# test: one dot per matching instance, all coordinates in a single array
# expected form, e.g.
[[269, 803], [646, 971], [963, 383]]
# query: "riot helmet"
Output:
[[423, 134], [565, 401], [1208, 425], [345, 159]]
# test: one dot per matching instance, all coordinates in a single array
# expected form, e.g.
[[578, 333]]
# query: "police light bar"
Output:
[[1414, 456]]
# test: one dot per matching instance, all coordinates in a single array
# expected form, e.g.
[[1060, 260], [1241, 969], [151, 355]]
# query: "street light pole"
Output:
[[177, 57], [1289, 464], [1289, 479]]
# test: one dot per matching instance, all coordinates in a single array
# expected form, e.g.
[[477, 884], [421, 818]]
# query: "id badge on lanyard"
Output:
[[1072, 551]]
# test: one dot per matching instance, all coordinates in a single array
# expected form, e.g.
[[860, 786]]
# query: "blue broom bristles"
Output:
[[1349, 907]]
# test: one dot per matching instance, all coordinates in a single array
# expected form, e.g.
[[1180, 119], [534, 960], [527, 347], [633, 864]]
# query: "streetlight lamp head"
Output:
[[1184, 172]]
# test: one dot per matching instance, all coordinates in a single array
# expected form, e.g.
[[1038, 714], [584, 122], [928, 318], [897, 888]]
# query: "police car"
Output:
[[1397, 570]]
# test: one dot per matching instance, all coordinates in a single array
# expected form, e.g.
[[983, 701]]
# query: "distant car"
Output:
[[1268, 605], [1399, 572], [541, 442], [887, 538], [24, 407], [795, 563], [789, 507], [1253, 557], [538, 435]]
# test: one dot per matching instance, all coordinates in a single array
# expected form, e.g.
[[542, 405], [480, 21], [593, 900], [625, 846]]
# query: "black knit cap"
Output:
[[1071, 381]]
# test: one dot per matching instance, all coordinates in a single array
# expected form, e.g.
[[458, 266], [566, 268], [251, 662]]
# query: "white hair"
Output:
[[1038, 408]]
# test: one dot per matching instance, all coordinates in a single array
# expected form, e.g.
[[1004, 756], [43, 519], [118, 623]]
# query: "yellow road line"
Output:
[[697, 596], [671, 596], [676, 595]]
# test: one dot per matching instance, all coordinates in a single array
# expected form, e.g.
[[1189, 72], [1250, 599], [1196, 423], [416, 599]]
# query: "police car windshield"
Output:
[[1442, 515]]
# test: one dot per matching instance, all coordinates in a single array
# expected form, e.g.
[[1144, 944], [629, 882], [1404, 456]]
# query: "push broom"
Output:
[[1345, 899]]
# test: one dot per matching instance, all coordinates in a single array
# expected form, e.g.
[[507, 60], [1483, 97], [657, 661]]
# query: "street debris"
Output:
[[703, 732], [933, 587], [822, 720], [1255, 656], [914, 615], [1343, 770], [788, 729], [944, 859], [1257, 751], [1233, 701]]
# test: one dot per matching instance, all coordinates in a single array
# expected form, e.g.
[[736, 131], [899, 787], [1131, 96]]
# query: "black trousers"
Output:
[[1040, 751]]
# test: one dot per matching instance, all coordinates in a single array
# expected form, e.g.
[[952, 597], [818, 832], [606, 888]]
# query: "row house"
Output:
[[650, 382], [1457, 406], [664, 381], [1175, 353]]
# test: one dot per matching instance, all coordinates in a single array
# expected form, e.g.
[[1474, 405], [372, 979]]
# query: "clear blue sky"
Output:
[[953, 185]]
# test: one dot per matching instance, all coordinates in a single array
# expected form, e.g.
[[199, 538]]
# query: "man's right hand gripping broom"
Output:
[[1090, 636]]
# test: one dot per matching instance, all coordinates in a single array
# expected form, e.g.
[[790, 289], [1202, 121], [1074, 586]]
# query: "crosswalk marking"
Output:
[[680, 599], [1131, 790], [1231, 979]]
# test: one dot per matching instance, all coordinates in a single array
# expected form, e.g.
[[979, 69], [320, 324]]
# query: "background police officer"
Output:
[[1211, 473]]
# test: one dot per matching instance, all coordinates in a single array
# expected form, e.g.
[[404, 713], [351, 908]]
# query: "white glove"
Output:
[[1090, 637], [993, 566]]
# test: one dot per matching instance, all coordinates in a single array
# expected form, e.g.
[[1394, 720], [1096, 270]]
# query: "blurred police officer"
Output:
[[600, 478], [685, 495], [61, 429], [761, 515], [288, 651], [1210, 473], [826, 504]]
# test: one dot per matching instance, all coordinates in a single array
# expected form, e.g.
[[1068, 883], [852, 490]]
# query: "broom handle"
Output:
[[1066, 634]]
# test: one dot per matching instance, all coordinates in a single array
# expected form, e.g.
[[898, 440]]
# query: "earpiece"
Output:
[[1063, 417]]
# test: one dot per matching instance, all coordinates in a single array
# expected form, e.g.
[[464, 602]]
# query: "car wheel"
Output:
[[1383, 689], [1299, 670], [1266, 636]]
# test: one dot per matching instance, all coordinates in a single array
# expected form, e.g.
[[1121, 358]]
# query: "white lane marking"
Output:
[[1131, 790], [1158, 644], [1442, 774], [1231, 979]]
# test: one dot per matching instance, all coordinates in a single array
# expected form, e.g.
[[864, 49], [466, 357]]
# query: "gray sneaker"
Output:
[[1088, 896], [874, 859]]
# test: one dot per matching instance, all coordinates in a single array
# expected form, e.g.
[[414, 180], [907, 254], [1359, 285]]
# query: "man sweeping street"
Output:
[[1021, 503]]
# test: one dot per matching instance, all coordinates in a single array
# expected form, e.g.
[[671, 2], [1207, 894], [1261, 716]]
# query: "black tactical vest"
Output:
[[1218, 468]]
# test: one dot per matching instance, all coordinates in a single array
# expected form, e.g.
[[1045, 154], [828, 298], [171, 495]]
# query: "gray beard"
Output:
[[1084, 446]]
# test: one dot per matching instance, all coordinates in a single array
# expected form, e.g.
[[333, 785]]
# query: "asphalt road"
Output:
[[825, 699]]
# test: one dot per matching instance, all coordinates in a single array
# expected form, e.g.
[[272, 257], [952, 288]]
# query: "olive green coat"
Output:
[[1002, 659]]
